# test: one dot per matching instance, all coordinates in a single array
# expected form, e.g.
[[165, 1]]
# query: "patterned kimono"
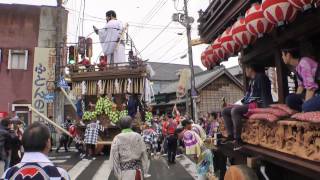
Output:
[[129, 156], [194, 146]]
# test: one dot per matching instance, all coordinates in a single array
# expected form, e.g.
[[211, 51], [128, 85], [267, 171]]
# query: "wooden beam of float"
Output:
[[60, 128], [50, 121], [66, 95]]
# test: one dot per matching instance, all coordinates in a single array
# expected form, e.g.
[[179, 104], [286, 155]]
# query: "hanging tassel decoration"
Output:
[[100, 90], [83, 88], [117, 86], [129, 86]]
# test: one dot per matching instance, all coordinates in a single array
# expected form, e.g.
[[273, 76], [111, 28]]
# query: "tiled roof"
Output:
[[168, 72], [201, 79]]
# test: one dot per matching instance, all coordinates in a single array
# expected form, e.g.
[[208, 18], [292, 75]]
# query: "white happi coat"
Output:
[[109, 37], [125, 147]]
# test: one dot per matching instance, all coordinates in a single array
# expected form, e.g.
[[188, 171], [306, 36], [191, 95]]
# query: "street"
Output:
[[100, 168]]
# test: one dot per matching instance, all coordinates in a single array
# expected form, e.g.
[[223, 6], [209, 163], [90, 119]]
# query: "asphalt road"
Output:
[[100, 168]]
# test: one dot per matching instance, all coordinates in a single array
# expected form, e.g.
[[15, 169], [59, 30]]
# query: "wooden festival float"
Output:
[[255, 30], [104, 90]]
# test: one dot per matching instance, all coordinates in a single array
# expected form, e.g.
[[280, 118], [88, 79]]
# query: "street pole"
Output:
[[59, 99], [193, 90]]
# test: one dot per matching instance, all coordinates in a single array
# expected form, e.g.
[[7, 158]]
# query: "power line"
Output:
[[149, 13], [155, 37], [84, 7], [171, 48], [150, 18], [165, 44], [103, 20], [156, 11], [79, 18], [172, 59]]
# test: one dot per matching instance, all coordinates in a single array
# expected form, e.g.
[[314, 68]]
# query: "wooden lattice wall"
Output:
[[211, 95]]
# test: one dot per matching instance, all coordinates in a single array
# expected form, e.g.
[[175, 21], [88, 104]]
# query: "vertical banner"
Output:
[[43, 73]]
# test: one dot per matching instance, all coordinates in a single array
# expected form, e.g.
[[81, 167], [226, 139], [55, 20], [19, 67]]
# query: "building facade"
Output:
[[211, 86], [28, 38]]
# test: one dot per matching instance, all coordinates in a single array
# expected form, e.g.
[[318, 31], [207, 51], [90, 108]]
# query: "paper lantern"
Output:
[[255, 21], [278, 11], [204, 60], [211, 56], [240, 34], [218, 50], [301, 4], [227, 42]]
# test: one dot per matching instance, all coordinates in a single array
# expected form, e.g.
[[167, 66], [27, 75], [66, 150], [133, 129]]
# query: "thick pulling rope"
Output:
[[68, 98], [60, 128]]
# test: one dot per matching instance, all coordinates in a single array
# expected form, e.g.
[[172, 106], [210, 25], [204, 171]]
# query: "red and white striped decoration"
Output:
[[278, 11], [212, 58], [227, 42], [204, 60], [218, 50], [240, 34], [255, 21], [301, 4], [317, 3]]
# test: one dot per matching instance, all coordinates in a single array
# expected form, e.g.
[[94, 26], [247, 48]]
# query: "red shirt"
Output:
[[171, 126], [164, 127]]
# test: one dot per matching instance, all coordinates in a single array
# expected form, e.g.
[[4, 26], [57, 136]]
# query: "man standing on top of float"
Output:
[[110, 37]]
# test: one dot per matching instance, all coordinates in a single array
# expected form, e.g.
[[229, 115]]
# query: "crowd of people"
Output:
[[170, 136], [10, 143]]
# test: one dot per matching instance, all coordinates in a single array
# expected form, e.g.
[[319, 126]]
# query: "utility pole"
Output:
[[186, 21], [59, 99]]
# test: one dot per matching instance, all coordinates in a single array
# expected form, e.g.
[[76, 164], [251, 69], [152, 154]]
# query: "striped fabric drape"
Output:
[[108, 86]]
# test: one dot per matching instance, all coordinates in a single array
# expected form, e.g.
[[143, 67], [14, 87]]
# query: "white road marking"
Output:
[[103, 171], [59, 157], [59, 161], [188, 165], [78, 168]]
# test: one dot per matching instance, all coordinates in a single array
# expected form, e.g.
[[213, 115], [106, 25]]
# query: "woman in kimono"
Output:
[[128, 155], [195, 149]]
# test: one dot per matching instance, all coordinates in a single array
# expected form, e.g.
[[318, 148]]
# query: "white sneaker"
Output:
[[147, 175], [164, 155], [179, 155]]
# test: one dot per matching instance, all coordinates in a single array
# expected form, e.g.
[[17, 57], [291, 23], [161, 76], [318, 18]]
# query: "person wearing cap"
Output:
[[110, 37], [195, 149], [128, 154]]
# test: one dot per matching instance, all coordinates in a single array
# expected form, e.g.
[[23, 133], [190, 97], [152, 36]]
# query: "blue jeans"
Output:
[[312, 104], [295, 102]]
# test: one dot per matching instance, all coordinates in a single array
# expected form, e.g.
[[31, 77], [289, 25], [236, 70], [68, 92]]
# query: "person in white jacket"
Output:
[[128, 153], [110, 38]]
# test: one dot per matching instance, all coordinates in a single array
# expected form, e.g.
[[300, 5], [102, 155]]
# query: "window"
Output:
[[18, 59]]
